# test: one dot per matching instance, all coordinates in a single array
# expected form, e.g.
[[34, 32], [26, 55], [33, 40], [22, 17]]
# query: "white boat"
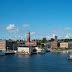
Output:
[[2, 53], [70, 56]]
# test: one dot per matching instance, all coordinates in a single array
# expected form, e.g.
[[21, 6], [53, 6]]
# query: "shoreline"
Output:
[[62, 51]]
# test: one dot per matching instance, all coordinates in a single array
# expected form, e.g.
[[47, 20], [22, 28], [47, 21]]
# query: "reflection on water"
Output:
[[50, 62]]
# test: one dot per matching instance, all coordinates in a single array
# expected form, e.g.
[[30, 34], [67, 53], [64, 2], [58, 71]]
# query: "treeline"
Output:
[[44, 40], [65, 40]]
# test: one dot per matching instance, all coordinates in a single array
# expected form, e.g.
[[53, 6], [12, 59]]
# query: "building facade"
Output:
[[66, 45], [54, 44], [11, 45], [3, 45], [24, 50]]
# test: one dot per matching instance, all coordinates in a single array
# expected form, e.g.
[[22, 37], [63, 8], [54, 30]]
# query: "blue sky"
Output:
[[43, 18]]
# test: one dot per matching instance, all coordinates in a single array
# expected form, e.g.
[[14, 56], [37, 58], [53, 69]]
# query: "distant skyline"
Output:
[[43, 18]]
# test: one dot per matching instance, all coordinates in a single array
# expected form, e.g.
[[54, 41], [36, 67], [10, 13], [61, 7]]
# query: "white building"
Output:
[[24, 50], [27, 50]]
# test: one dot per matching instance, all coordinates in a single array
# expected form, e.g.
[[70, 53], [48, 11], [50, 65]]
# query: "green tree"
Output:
[[44, 40]]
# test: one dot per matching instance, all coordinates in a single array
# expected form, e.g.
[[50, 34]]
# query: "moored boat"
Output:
[[9, 53], [70, 56], [2, 53]]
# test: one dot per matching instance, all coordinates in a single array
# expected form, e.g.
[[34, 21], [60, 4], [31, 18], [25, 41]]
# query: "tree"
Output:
[[52, 39], [58, 44], [43, 40]]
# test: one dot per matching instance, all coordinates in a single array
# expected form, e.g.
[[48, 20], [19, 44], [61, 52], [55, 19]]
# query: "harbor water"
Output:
[[49, 62]]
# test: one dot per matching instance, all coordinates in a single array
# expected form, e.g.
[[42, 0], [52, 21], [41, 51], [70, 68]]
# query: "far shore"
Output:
[[61, 50]]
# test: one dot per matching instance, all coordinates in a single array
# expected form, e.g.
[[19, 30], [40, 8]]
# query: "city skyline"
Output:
[[43, 18]]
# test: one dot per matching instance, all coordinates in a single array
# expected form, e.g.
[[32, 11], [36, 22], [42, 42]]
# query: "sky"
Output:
[[43, 18]]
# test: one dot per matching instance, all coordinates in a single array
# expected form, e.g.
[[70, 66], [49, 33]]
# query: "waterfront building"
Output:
[[27, 47], [3, 45], [23, 50], [66, 45], [11, 45], [29, 50], [21, 43], [54, 44]]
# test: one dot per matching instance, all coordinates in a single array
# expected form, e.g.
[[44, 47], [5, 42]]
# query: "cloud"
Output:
[[11, 28]]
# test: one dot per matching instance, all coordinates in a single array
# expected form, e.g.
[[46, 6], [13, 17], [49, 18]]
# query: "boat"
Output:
[[32, 53], [9, 53], [70, 56], [2, 53], [47, 50], [42, 52]]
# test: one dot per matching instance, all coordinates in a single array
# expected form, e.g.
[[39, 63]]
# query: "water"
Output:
[[50, 62]]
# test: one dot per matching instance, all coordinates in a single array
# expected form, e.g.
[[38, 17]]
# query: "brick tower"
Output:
[[28, 39]]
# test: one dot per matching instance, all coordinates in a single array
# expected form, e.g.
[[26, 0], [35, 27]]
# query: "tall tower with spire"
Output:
[[28, 39], [29, 42]]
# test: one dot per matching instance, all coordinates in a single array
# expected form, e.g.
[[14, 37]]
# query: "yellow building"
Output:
[[66, 45], [2, 45]]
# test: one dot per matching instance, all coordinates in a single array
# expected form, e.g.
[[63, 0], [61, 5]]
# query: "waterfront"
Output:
[[50, 62]]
